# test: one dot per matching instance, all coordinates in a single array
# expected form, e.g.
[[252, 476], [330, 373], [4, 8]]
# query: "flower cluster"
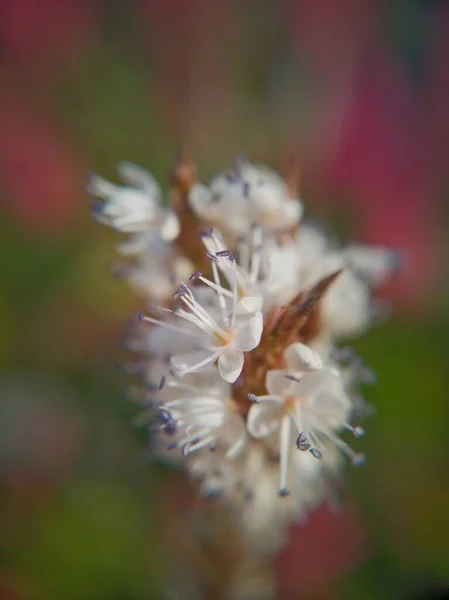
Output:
[[244, 378]]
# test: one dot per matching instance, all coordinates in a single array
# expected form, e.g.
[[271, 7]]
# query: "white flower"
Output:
[[156, 272], [373, 264], [249, 194], [266, 275], [134, 208], [346, 308], [201, 416], [218, 335], [223, 340], [312, 400]]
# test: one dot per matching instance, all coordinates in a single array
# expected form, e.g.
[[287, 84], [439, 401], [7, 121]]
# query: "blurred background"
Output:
[[359, 90]]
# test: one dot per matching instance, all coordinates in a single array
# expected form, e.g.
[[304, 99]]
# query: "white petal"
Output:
[[318, 381], [192, 361], [374, 263], [138, 177], [230, 364], [278, 384], [266, 197], [292, 211], [170, 227], [346, 309], [249, 305], [312, 243], [263, 419], [249, 332], [129, 202], [300, 357], [99, 187], [199, 198], [333, 408]]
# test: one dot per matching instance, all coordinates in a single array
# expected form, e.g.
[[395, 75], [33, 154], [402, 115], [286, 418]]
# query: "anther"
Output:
[[358, 460], [283, 492], [212, 494], [315, 453], [302, 443], [291, 377], [162, 382], [195, 275], [170, 428], [223, 253], [96, 207], [232, 177], [186, 448], [358, 431], [181, 291], [253, 398]]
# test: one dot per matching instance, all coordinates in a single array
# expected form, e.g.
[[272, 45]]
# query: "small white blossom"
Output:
[[135, 208], [221, 336], [155, 273], [311, 399], [201, 416], [374, 264], [346, 308], [265, 273], [224, 340], [249, 194]]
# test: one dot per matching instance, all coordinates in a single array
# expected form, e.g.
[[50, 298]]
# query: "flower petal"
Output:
[[199, 198], [230, 364], [249, 305], [250, 332], [170, 227], [318, 381], [292, 211], [300, 357], [373, 263], [278, 384], [263, 419], [139, 178]]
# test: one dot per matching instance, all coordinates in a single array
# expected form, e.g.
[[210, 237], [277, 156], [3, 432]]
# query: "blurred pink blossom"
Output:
[[382, 158], [386, 139], [36, 33], [41, 175]]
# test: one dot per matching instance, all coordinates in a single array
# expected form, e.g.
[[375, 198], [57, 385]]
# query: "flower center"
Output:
[[290, 404], [224, 340]]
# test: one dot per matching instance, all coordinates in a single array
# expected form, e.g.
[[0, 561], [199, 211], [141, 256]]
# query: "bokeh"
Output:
[[358, 91]]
